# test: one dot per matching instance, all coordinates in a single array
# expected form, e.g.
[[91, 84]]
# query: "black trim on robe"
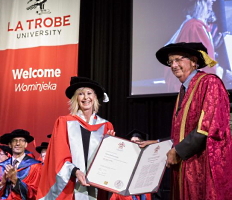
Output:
[[192, 144], [85, 139]]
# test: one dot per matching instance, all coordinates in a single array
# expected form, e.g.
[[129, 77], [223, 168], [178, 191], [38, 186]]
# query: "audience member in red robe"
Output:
[[134, 197], [200, 159], [20, 173], [42, 149], [5, 152]]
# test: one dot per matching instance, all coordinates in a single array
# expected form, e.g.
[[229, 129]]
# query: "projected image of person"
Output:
[[200, 159], [74, 142], [199, 26]]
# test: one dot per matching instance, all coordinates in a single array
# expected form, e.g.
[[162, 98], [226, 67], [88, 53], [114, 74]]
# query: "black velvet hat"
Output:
[[44, 145], [6, 138], [137, 133], [78, 82], [6, 149], [192, 48]]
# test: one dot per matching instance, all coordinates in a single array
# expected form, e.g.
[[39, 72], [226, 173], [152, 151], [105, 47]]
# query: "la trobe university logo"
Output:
[[39, 6]]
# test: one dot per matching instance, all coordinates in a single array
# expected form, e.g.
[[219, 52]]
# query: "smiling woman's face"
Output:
[[86, 98]]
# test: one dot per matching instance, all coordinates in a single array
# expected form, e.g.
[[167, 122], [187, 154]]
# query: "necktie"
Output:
[[15, 163], [181, 97]]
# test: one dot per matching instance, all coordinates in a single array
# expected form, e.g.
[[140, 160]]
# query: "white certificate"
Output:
[[123, 167]]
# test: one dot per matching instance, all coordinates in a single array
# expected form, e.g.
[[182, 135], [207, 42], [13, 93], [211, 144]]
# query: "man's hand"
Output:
[[172, 158], [111, 132], [11, 173], [146, 143], [81, 178]]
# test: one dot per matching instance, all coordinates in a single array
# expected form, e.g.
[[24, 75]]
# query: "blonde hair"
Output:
[[199, 10], [74, 106]]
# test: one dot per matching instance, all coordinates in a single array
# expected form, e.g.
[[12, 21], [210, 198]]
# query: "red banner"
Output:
[[38, 55]]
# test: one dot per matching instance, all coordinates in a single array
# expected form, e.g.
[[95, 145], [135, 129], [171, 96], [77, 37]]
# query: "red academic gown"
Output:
[[206, 175], [193, 30], [28, 173], [55, 180], [121, 197]]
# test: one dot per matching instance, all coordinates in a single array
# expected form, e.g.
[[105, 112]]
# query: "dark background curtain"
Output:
[[105, 56]]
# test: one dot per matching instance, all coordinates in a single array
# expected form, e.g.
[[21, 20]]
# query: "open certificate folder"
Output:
[[121, 166]]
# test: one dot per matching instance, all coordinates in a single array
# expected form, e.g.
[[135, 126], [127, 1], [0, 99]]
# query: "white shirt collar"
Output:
[[189, 78], [19, 159], [91, 120]]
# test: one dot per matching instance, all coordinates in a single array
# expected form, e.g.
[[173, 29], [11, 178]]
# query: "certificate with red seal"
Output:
[[121, 166]]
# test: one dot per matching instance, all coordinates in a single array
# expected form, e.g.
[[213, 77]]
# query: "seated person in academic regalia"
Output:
[[42, 149], [19, 174], [5, 152]]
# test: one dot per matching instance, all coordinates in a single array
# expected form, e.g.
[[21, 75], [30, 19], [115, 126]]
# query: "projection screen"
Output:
[[156, 23]]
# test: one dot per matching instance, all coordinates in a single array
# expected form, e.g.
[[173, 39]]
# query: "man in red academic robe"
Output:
[[201, 157], [19, 174]]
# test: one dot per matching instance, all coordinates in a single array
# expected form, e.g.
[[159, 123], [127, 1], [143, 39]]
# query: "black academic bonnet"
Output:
[[6, 138], [6, 149], [44, 145], [192, 48], [78, 82], [137, 133]]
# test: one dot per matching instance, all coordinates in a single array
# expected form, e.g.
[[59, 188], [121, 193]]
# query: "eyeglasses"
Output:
[[15, 141], [177, 60]]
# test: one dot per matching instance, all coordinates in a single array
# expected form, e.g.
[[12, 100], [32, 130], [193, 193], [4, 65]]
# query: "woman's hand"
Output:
[[111, 132], [81, 178]]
